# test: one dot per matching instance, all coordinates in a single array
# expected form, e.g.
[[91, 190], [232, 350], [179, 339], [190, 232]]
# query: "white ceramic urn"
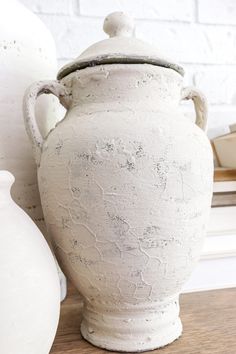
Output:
[[30, 289], [27, 54], [125, 181]]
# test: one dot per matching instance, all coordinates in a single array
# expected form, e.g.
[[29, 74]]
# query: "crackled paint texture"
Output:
[[126, 181]]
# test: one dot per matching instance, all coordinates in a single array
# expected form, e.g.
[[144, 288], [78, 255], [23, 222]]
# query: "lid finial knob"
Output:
[[119, 24]]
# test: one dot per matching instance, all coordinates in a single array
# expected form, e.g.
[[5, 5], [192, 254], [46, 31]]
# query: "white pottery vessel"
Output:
[[27, 54], [126, 182], [30, 290]]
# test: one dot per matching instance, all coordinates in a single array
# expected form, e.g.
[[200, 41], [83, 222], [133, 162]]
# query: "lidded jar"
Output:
[[125, 181]]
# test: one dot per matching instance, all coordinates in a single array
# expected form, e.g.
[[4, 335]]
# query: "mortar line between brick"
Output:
[[141, 20], [196, 11], [78, 7]]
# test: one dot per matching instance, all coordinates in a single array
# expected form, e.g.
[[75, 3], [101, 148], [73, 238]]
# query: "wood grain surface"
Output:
[[209, 320], [224, 174]]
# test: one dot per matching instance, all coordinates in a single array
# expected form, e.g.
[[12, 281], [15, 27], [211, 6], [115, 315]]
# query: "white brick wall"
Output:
[[200, 34], [173, 10], [57, 7], [217, 12]]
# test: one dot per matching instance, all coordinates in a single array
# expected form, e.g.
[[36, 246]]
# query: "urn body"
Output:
[[125, 181]]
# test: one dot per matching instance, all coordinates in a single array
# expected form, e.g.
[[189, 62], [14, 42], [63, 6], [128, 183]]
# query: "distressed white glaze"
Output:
[[30, 290], [126, 182]]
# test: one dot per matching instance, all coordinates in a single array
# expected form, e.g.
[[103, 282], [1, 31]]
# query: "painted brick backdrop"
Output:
[[200, 34]]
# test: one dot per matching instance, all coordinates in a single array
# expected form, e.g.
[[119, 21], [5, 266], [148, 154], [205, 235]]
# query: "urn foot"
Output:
[[132, 329]]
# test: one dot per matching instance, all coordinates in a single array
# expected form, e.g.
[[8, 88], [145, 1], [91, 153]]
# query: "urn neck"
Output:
[[135, 86]]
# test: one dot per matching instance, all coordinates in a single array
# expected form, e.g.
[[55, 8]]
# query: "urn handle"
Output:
[[200, 104], [29, 101]]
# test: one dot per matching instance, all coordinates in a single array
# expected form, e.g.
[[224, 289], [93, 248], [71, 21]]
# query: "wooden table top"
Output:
[[209, 320]]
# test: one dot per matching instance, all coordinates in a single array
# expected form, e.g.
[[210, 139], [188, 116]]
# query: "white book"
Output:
[[224, 186]]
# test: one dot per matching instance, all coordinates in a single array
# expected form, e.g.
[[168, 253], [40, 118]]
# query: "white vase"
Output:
[[27, 54], [125, 181], [30, 290]]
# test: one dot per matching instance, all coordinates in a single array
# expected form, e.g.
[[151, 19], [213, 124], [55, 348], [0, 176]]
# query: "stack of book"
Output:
[[217, 266], [224, 148]]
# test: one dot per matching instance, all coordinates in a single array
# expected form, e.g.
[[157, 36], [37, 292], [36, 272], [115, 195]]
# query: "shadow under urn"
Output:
[[126, 182]]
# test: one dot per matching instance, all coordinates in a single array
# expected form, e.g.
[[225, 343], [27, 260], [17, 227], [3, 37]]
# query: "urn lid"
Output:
[[121, 47]]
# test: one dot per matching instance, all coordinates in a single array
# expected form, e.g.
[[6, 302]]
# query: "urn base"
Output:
[[132, 329]]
